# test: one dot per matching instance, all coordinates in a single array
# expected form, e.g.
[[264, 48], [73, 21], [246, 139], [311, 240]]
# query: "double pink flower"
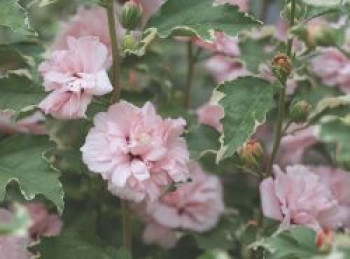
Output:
[[137, 151]]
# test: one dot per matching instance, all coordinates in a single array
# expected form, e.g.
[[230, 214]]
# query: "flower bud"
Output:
[[131, 17], [299, 111], [129, 43], [324, 240], [300, 11], [321, 36], [251, 153], [281, 66]]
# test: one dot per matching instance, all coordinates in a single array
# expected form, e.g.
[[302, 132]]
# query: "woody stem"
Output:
[[115, 70], [281, 100]]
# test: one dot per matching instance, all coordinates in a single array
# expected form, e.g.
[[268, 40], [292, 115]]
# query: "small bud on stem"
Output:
[[251, 154], [300, 111], [131, 17], [281, 66]]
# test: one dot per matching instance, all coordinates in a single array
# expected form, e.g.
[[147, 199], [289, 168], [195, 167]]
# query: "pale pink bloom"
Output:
[[195, 206], [332, 67], [87, 22], [339, 182], [266, 73], [43, 223], [211, 114], [74, 76], [12, 247], [225, 68], [294, 147], [156, 234], [137, 151], [149, 7], [242, 4], [300, 197], [32, 124], [221, 44]]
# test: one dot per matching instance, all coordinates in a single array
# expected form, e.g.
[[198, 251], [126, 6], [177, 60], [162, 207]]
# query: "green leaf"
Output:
[[254, 54], [337, 130], [74, 245], [17, 92], [15, 17], [294, 243], [199, 18], [331, 106], [11, 59], [141, 47], [202, 139], [221, 237], [21, 160], [325, 2], [246, 102]]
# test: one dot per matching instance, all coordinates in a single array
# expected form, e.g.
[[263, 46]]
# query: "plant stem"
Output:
[[115, 79], [189, 78], [264, 9], [115, 70], [281, 101], [126, 226]]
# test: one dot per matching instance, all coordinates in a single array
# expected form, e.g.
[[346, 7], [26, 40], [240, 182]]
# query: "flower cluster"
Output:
[[333, 67], [43, 224], [306, 196], [137, 151], [194, 206]]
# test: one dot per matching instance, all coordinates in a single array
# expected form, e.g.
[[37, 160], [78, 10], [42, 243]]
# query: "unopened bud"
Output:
[[324, 240], [129, 43], [299, 112], [321, 36], [251, 153], [281, 66], [300, 11], [131, 17]]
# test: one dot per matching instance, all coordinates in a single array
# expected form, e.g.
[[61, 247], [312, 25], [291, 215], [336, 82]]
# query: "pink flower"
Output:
[[210, 114], [339, 182], [293, 147], [87, 22], [333, 68], [195, 206], [137, 151], [74, 76], [225, 68], [43, 223], [221, 44], [32, 124], [300, 197], [12, 247], [243, 5], [156, 234]]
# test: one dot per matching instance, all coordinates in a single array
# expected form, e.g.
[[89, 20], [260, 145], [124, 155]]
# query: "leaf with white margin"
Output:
[[22, 160], [199, 18], [14, 17], [246, 101]]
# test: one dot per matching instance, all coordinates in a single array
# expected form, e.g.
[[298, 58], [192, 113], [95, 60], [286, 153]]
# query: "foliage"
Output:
[[232, 70]]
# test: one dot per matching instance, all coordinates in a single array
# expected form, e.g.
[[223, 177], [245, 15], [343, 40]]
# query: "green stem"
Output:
[[264, 9], [115, 70], [126, 226], [189, 78], [281, 101]]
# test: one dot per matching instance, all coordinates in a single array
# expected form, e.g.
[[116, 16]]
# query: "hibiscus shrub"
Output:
[[187, 129]]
